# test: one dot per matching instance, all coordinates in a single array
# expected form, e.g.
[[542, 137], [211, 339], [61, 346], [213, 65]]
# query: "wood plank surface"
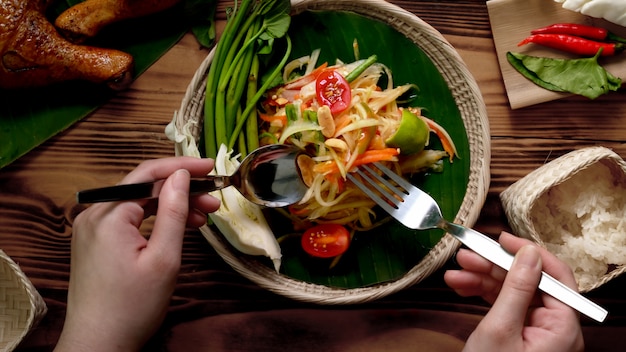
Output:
[[37, 204]]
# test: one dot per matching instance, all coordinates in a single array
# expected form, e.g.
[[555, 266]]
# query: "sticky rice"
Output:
[[582, 221]]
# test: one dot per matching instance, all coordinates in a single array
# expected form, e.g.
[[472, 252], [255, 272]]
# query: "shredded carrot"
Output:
[[272, 118], [316, 72], [444, 137], [377, 142], [306, 104], [342, 121], [340, 181], [295, 210], [304, 80], [369, 156]]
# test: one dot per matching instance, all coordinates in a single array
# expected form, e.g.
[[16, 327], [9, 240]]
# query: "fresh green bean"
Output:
[[252, 104], [221, 49], [252, 127], [238, 84], [362, 67], [222, 130], [255, 21]]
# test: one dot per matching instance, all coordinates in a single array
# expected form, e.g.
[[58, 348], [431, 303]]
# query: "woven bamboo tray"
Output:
[[21, 306], [519, 199], [187, 124]]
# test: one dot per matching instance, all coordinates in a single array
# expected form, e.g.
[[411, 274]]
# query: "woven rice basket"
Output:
[[518, 200], [188, 122], [21, 306]]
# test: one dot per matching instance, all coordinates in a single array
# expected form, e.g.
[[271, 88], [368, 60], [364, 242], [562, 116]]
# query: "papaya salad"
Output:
[[342, 116]]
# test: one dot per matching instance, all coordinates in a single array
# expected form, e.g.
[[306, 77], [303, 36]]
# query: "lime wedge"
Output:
[[411, 136]]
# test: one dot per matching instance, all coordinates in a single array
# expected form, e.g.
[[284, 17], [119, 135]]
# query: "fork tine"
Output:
[[391, 187], [394, 176], [391, 209]]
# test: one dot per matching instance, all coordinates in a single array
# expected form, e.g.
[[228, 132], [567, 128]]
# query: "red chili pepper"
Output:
[[573, 44], [580, 30]]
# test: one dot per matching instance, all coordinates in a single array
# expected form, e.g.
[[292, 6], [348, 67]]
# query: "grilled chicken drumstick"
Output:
[[86, 19], [33, 53]]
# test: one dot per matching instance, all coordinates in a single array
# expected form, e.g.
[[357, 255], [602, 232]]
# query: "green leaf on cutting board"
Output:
[[578, 76], [28, 117], [390, 251]]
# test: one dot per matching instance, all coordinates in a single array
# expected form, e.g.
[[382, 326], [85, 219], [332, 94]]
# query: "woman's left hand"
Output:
[[521, 318]]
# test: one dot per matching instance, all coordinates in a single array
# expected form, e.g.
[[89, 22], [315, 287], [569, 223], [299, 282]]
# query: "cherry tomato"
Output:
[[326, 240], [333, 90]]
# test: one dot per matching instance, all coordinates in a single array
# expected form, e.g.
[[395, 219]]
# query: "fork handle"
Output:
[[492, 251]]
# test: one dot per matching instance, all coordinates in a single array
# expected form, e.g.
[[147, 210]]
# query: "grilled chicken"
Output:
[[33, 53], [86, 19]]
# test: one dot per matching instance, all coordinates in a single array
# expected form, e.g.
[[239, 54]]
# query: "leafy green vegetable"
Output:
[[579, 76], [201, 16], [250, 32]]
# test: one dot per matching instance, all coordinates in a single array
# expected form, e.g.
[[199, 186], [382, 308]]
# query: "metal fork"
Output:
[[417, 210]]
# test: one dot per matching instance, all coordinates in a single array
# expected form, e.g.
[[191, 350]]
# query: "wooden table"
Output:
[[37, 207]]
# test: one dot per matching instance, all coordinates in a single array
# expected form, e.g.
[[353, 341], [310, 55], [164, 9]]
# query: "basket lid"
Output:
[[21, 306]]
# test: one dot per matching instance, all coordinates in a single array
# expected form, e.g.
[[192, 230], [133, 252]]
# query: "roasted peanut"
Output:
[[326, 121]]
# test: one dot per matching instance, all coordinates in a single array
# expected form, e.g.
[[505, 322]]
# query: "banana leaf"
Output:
[[390, 251], [28, 117]]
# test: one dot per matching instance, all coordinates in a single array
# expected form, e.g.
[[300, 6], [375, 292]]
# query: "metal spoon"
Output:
[[269, 176]]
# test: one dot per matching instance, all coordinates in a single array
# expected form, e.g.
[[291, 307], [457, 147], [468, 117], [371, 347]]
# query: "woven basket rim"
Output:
[[22, 318], [473, 112]]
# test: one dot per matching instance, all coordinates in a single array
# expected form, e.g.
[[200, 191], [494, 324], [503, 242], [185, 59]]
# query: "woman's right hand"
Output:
[[521, 318]]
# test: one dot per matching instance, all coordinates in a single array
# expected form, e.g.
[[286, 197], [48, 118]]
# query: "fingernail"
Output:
[[528, 256], [180, 180]]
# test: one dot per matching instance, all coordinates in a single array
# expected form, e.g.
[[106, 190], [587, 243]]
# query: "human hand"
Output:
[[120, 281], [521, 318]]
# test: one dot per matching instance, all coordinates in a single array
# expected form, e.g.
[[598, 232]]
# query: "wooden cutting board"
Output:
[[512, 21]]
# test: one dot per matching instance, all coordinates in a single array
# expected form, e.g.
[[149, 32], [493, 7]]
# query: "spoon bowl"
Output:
[[269, 176]]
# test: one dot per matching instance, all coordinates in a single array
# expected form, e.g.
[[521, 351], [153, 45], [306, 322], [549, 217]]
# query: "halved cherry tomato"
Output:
[[332, 89], [326, 240]]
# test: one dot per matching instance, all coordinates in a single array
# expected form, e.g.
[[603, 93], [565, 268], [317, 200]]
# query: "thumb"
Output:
[[518, 289]]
